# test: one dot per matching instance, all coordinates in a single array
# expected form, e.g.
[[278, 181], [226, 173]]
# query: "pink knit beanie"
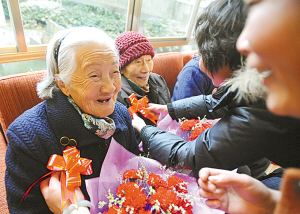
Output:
[[132, 45]]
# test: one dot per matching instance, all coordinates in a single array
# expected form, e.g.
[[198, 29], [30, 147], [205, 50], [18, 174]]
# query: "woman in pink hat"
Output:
[[136, 65]]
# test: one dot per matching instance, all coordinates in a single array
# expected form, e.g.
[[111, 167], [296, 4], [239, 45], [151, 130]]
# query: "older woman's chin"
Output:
[[103, 110]]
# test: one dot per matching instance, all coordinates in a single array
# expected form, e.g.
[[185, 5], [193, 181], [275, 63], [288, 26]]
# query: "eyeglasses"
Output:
[[196, 56]]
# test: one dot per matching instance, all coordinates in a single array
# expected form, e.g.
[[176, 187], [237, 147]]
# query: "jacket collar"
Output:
[[126, 87], [65, 121]]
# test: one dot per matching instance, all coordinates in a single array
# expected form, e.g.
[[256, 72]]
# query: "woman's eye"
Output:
[[138, 61], [94, 77]]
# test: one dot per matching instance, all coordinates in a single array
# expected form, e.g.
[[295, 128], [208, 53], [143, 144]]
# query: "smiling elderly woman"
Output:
[[80, 88], [136, 65]]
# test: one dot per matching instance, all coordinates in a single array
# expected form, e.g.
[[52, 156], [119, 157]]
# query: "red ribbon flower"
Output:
[[140, 106], [71, 166]]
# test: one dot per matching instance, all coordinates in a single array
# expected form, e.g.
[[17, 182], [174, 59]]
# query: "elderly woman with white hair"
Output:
[[81, 87]]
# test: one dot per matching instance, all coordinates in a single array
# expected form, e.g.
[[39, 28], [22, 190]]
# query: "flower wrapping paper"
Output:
[[117, 161], [166, 123]]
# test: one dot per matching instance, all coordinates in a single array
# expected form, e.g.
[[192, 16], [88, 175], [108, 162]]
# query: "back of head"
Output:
[[217, 30], [62, 51], [132, 45]]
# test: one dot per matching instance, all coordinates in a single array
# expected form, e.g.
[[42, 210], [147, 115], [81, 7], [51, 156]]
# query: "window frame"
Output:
[[22, 52]]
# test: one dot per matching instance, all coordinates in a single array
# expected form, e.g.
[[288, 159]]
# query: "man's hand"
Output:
[[236, 193], [158, 109]]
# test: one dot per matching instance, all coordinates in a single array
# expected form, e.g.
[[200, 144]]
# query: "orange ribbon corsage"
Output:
[[140, 106]]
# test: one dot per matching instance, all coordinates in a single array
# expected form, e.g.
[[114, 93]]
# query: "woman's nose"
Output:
[[243, 44], [107, 85], [145, 67]]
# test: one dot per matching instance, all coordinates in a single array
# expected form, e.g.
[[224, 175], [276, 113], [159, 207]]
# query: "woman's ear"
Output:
[[62, 86]]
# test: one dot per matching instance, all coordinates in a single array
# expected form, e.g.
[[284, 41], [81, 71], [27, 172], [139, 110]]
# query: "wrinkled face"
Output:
[[271, 40], [138, 71], [96, 82], [219, 77]]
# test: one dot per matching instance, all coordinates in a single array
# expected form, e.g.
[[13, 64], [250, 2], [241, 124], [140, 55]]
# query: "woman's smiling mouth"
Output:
[[104, 101]]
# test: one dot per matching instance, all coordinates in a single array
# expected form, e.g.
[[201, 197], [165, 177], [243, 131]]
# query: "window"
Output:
[[22, 67], [168, 18], [26, 26], [41, 19], [6, 29]]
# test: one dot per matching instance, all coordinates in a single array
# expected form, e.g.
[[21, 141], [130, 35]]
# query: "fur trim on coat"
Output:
[[249, 85]]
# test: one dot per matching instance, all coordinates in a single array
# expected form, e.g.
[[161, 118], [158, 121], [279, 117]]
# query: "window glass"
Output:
[[181, 48], [204, 4], [22, 67], [42, 19], [6, 29], [167, 18]]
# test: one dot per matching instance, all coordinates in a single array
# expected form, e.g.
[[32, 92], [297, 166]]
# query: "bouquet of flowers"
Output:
[[194, 126], [186, 129], [134, 184], [141, 192]]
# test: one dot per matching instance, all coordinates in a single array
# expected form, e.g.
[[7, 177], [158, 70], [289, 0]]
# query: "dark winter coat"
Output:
[[35, 136], [246, 133]]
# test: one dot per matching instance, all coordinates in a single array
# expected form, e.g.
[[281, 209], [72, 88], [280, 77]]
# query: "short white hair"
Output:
[[72, 41]]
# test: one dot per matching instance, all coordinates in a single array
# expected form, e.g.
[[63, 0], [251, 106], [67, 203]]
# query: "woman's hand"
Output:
[[138, 123], [51, 190], [157, 109], [236, 193]]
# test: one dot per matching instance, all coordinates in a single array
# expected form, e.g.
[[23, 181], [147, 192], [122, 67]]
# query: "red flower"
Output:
[[112, 210], [187, 125], [178, 184], [186, 205], [134, 195], [165, 198], [133, 174], [156, 181], [194, 127], [198, 130]]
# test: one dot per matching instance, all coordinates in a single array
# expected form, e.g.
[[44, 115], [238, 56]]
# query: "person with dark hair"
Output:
[[80, 109], [136, 65], [216, 31], [247, 132]]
